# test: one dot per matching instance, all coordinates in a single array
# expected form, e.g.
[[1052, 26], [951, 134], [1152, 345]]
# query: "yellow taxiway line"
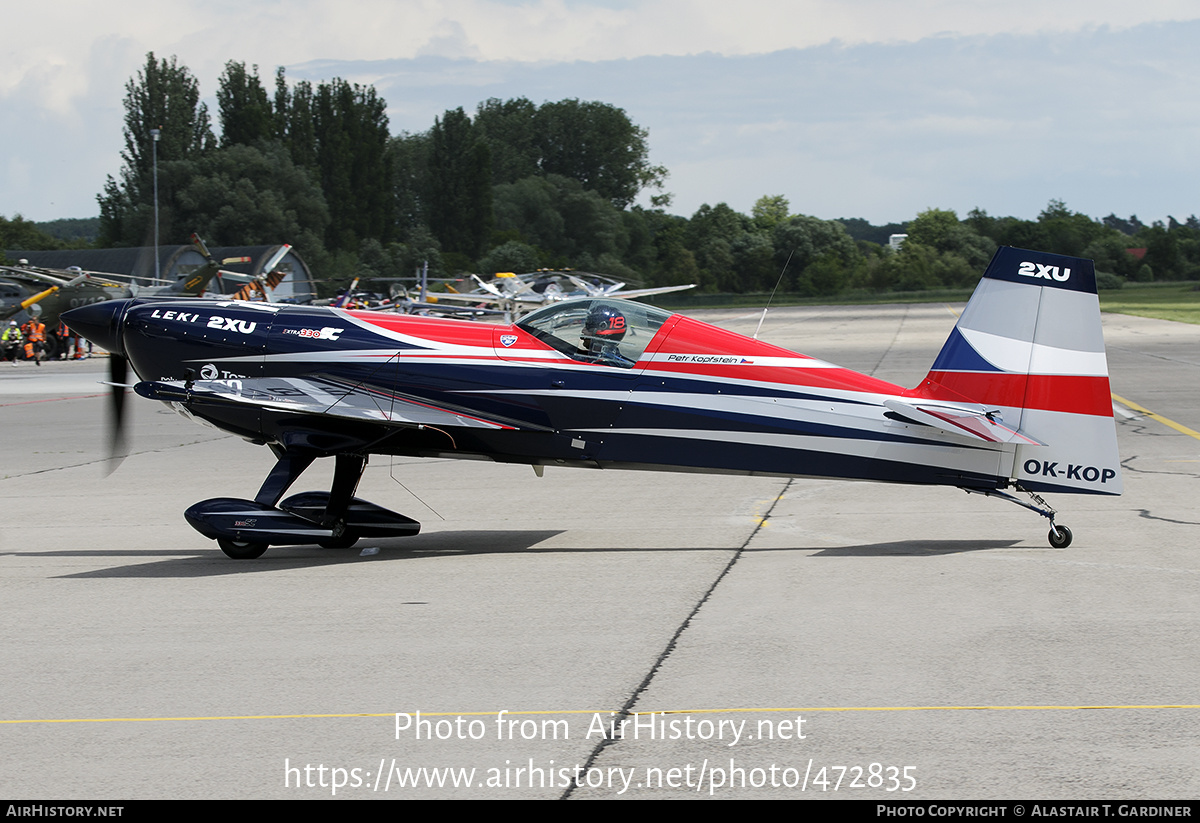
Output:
[[1179, 427], [812, 709]]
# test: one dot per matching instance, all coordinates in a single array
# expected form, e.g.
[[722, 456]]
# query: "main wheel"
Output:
[[1060, 537], [241, 551]]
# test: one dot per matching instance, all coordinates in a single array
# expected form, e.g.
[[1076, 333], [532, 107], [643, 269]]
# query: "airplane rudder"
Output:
[[1030, 312], [1030, 342], [1044, 269]]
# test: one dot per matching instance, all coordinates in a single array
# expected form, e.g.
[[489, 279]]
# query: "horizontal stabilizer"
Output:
[[979, 424]]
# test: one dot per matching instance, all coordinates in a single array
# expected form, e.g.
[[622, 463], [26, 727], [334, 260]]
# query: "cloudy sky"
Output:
[[869, 108]]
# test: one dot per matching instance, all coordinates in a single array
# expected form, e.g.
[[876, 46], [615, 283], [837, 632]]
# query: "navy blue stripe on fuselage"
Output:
[[665, 452], [636, 415], [472, 388]]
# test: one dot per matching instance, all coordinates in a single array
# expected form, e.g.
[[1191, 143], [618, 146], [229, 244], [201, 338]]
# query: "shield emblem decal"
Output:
[[508, 339]]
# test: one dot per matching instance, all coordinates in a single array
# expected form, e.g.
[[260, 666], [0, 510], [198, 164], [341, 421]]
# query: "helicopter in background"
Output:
[[47, 293]]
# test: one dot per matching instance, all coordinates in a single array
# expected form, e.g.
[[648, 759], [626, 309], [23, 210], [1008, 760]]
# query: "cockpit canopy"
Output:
[[597, 330]]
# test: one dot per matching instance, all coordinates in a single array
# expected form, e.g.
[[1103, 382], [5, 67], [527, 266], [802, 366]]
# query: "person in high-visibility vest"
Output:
[[12, 341], [68, 343], [35, 339]]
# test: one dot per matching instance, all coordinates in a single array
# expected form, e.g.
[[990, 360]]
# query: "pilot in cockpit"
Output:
[[603, 330]]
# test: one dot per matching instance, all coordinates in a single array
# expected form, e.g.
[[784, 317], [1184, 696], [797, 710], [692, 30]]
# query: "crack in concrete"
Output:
[[627, 710]]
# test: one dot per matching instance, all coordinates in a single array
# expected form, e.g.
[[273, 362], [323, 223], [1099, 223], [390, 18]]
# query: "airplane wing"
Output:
[[321, 397], [631, 294], [977, 424], [441, 309], [607, 290], [487, 287], [469, 297]]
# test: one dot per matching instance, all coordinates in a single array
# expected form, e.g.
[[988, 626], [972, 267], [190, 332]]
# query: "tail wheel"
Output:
[[241, 551], [1060, 537]]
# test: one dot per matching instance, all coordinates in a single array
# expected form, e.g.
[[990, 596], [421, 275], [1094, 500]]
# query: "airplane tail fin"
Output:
[[1029, 344]]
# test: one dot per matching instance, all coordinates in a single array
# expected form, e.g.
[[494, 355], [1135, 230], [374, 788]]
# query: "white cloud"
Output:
[[63, 77]]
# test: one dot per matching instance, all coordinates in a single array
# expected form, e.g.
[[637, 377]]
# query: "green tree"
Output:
[[422, 247], [592, 142], [918, 266], [675, 263], [754, 261], [640, 253], [711, 234], [408, 158], [293, 114], [1163, 254], [74, 232], [21, 234], [510, 129], [1110, 251], [395, 260], [598, 145], [460, 185], [246, 195], [864, 231], [801, 240], [933, 228], [576, 226], [513, 256], [940, 230], [769, 211], [351, 131], [1130, 226], [243, 108], [827, 275], [1067, 232], [164, 96]]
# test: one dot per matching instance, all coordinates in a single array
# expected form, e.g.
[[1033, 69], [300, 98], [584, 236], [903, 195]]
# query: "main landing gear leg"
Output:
[[346, 473], [335, 519], [288, 467], [1059, 536]]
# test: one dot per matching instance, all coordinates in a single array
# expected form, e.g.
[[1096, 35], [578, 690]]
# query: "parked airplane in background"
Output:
[[1016, 402], [512, 295]]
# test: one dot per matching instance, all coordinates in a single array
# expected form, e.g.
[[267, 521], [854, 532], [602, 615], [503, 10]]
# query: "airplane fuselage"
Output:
[[697, 398]]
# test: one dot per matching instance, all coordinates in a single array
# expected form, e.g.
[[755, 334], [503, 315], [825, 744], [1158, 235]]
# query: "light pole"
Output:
[[155, 133]]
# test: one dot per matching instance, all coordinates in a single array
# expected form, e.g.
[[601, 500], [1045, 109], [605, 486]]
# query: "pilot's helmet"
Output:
[[604, 323], [74, 269]]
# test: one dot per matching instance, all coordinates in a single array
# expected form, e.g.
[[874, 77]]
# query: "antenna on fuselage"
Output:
[[772, 297]]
